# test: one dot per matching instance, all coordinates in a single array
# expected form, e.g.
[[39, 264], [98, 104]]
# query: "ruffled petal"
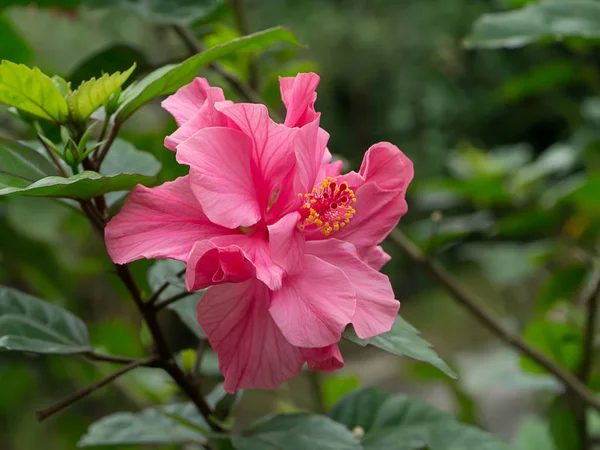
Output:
[[221, 175], [286, 242], [252, 351], [273, 148], [232, 259], [184, 103], [376, 307], [314, 305], [299, 95], [160, 222], [374, 256], [325, 359]]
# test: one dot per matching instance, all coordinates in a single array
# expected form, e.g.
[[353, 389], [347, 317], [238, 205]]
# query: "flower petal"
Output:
[[184, 103], [374, 256], [160, 222], [314, 305], [380, 200], [251, 349], [309, 146], [299, 96], [232, 258], [273, 147], [221, 175], [325, 359], [286, 242], [376, 307]]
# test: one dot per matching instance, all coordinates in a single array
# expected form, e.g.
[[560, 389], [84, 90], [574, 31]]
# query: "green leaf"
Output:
[[563, 425], [403, 340], [561, 286], [554, 19], [21, 165], [296, 432], [149, 426], [335, 387], [166, 270], [83, 185], [31, 325], [12, 45], [125, 158], [31, 91], [399, 422], [168, 79], [92, 94], [533, 434], [560, 341], [165, 12]]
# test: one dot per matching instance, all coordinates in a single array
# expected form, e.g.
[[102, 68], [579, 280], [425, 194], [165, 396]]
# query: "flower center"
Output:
[[327, 207]]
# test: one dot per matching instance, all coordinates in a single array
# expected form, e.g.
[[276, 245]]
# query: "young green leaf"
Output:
[[29, 324], [168, 79], [31, 91], [92, 94], [403, 340]]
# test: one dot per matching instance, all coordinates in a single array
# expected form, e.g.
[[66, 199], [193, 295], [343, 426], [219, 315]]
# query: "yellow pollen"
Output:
[[327, 206]]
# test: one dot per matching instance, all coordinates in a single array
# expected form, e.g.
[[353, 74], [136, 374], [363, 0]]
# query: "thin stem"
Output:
[[54, 159], [93, 356], [162, 288], [478, 310], [45, 413], [173, 299], [202, 346], [315, 385], [242, 25], [589, 301], [103, 151]]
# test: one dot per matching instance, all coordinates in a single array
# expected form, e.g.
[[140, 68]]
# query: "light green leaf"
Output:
[[555, 19], [168, 79], [21, 165], [31, 91], [92, 94], [533, 434], [166, 270], [31, 325], [166, 12], [403, 340], [296, 432], [83, 185]]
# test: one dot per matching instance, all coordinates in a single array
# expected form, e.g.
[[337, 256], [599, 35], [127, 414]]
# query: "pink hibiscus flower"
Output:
[[288, 245]]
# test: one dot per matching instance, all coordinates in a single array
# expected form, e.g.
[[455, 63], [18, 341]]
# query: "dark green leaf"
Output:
[[12, 45], [548, 19], [166, 270], [168, 79], [403, 340], [560, 341], [163, 11], [563, 425], [149, 426], [359, 408], [562, 285], [32, 325], [31, 91], [21, 165], [84, 185], [335, 387], [296, 432], [124, 158]]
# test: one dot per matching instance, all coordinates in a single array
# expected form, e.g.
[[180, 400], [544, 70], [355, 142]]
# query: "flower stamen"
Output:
[[328, 207]]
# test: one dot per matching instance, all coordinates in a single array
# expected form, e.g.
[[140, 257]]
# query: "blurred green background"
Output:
[[505, 144]]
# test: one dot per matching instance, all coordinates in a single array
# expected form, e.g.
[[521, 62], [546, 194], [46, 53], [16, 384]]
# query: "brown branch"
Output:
[[162, 288], [166, 302], [589, 301], [115, 359], [238, 85], [45, 413], [103, 151], [478, 310]]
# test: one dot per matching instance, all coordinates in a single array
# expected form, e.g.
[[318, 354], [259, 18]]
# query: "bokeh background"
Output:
[[505, 145]]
